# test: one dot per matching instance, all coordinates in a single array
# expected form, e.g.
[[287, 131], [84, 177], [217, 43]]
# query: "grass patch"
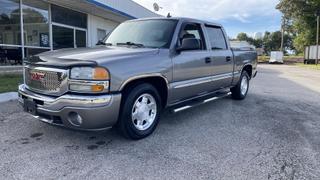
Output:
[[310, 66], [263, 59], [10, 82]]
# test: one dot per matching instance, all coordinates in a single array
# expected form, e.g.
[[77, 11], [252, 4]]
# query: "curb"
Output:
[[11, 70], [5, 97]]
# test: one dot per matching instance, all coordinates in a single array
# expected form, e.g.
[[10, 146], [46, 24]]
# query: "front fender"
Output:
[[151, 75]]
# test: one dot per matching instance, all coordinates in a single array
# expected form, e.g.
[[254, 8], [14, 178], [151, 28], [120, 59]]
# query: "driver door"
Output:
[[191, 68]]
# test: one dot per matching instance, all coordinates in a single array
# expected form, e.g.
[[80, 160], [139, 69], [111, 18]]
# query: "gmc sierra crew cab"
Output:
[[140, 68]]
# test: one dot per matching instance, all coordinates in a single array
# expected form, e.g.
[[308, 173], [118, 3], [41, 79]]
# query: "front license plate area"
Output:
[[30, 106]]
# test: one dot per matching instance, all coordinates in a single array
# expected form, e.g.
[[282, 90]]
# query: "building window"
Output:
[[10, 32], [66, 16], [101, 34], [81, 38], [36, 23], [69, 28], [33, 51], [10, 55], [62, 37]]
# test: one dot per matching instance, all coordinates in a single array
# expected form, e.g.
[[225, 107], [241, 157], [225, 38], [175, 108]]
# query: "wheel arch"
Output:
[[157, 80], [248, 68]]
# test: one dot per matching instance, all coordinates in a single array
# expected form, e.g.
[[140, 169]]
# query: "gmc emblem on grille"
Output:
[[37, 76]]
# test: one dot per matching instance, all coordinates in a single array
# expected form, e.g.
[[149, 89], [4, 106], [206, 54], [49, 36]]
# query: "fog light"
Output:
[[75, 119]]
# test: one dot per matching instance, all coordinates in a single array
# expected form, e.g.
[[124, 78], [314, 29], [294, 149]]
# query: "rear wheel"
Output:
[[240, 91], [140, 112]]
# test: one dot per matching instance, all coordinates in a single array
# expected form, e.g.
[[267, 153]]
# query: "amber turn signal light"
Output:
[[100, 74], [97, 88]]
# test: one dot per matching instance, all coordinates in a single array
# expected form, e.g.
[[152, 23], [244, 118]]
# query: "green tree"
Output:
[[243, 37], [271, 41], [300, 21]]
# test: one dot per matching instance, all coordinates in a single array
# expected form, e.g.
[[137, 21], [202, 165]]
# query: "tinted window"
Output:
[[192, 31], [216, 38], [150, 33], [68, 17]]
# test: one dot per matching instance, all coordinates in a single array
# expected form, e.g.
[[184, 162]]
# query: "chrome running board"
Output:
[[198, 102]]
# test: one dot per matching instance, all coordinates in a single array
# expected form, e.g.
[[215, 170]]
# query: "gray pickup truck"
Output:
[[140, 68]]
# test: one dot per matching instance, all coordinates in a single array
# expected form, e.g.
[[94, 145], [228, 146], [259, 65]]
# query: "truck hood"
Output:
[[65, 58]]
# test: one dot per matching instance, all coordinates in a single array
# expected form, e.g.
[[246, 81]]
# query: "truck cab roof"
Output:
[[184, 19]]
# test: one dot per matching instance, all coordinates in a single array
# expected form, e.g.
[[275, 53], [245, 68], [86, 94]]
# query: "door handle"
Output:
[[208, 60], [228, 58]]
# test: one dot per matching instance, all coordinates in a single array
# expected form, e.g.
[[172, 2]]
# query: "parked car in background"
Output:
[[142, 67]]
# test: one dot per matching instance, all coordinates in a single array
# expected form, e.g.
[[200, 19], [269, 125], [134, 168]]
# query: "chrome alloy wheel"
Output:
[[144, 112], [244, 85]]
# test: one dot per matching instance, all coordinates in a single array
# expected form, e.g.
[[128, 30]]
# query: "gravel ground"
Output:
[[273, 134]]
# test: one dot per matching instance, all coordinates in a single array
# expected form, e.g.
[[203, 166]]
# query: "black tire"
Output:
[[236, 91], [125, 123]]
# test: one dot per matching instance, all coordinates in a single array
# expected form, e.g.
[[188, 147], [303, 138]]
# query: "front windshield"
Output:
[[146, 33]]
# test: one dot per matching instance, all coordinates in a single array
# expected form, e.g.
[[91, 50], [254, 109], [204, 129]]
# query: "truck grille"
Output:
[[46, 80]]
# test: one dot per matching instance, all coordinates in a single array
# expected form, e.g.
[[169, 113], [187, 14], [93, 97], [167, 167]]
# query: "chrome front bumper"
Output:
[[97, 112]]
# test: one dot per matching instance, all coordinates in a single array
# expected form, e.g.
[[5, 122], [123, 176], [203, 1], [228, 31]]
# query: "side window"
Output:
[[192, 31], [216, 38]]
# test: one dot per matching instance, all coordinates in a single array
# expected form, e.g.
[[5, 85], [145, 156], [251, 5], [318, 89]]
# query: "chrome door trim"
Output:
[[222, 76], [193, 82], [197, 81]]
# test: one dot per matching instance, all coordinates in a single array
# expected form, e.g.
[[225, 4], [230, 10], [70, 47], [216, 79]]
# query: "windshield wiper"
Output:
[[130, 44], [216, 48], [103, 43]]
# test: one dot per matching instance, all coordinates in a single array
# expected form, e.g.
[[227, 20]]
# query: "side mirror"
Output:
[[189, 44]]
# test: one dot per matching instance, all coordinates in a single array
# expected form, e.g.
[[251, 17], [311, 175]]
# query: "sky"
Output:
[[236, 16]]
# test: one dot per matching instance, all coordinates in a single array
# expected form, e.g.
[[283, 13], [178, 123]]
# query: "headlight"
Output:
[[89, 80], [89, 73]]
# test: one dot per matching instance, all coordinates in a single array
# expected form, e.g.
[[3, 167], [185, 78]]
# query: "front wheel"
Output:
[[240, 91], [140, 112]]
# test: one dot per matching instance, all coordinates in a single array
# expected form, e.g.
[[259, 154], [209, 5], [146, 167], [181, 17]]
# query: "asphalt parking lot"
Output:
[[273, 134]]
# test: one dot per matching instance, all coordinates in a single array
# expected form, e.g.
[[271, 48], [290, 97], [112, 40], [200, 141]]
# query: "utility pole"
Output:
[[317, 51], [282, 34]]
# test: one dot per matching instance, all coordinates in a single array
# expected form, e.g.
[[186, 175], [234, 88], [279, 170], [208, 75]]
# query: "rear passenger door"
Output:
[[221, 56]]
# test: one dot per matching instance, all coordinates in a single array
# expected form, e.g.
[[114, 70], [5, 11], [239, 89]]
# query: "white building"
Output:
[[55, 24]]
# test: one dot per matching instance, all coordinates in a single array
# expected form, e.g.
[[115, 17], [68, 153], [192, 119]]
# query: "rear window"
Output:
[[216, 38]]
